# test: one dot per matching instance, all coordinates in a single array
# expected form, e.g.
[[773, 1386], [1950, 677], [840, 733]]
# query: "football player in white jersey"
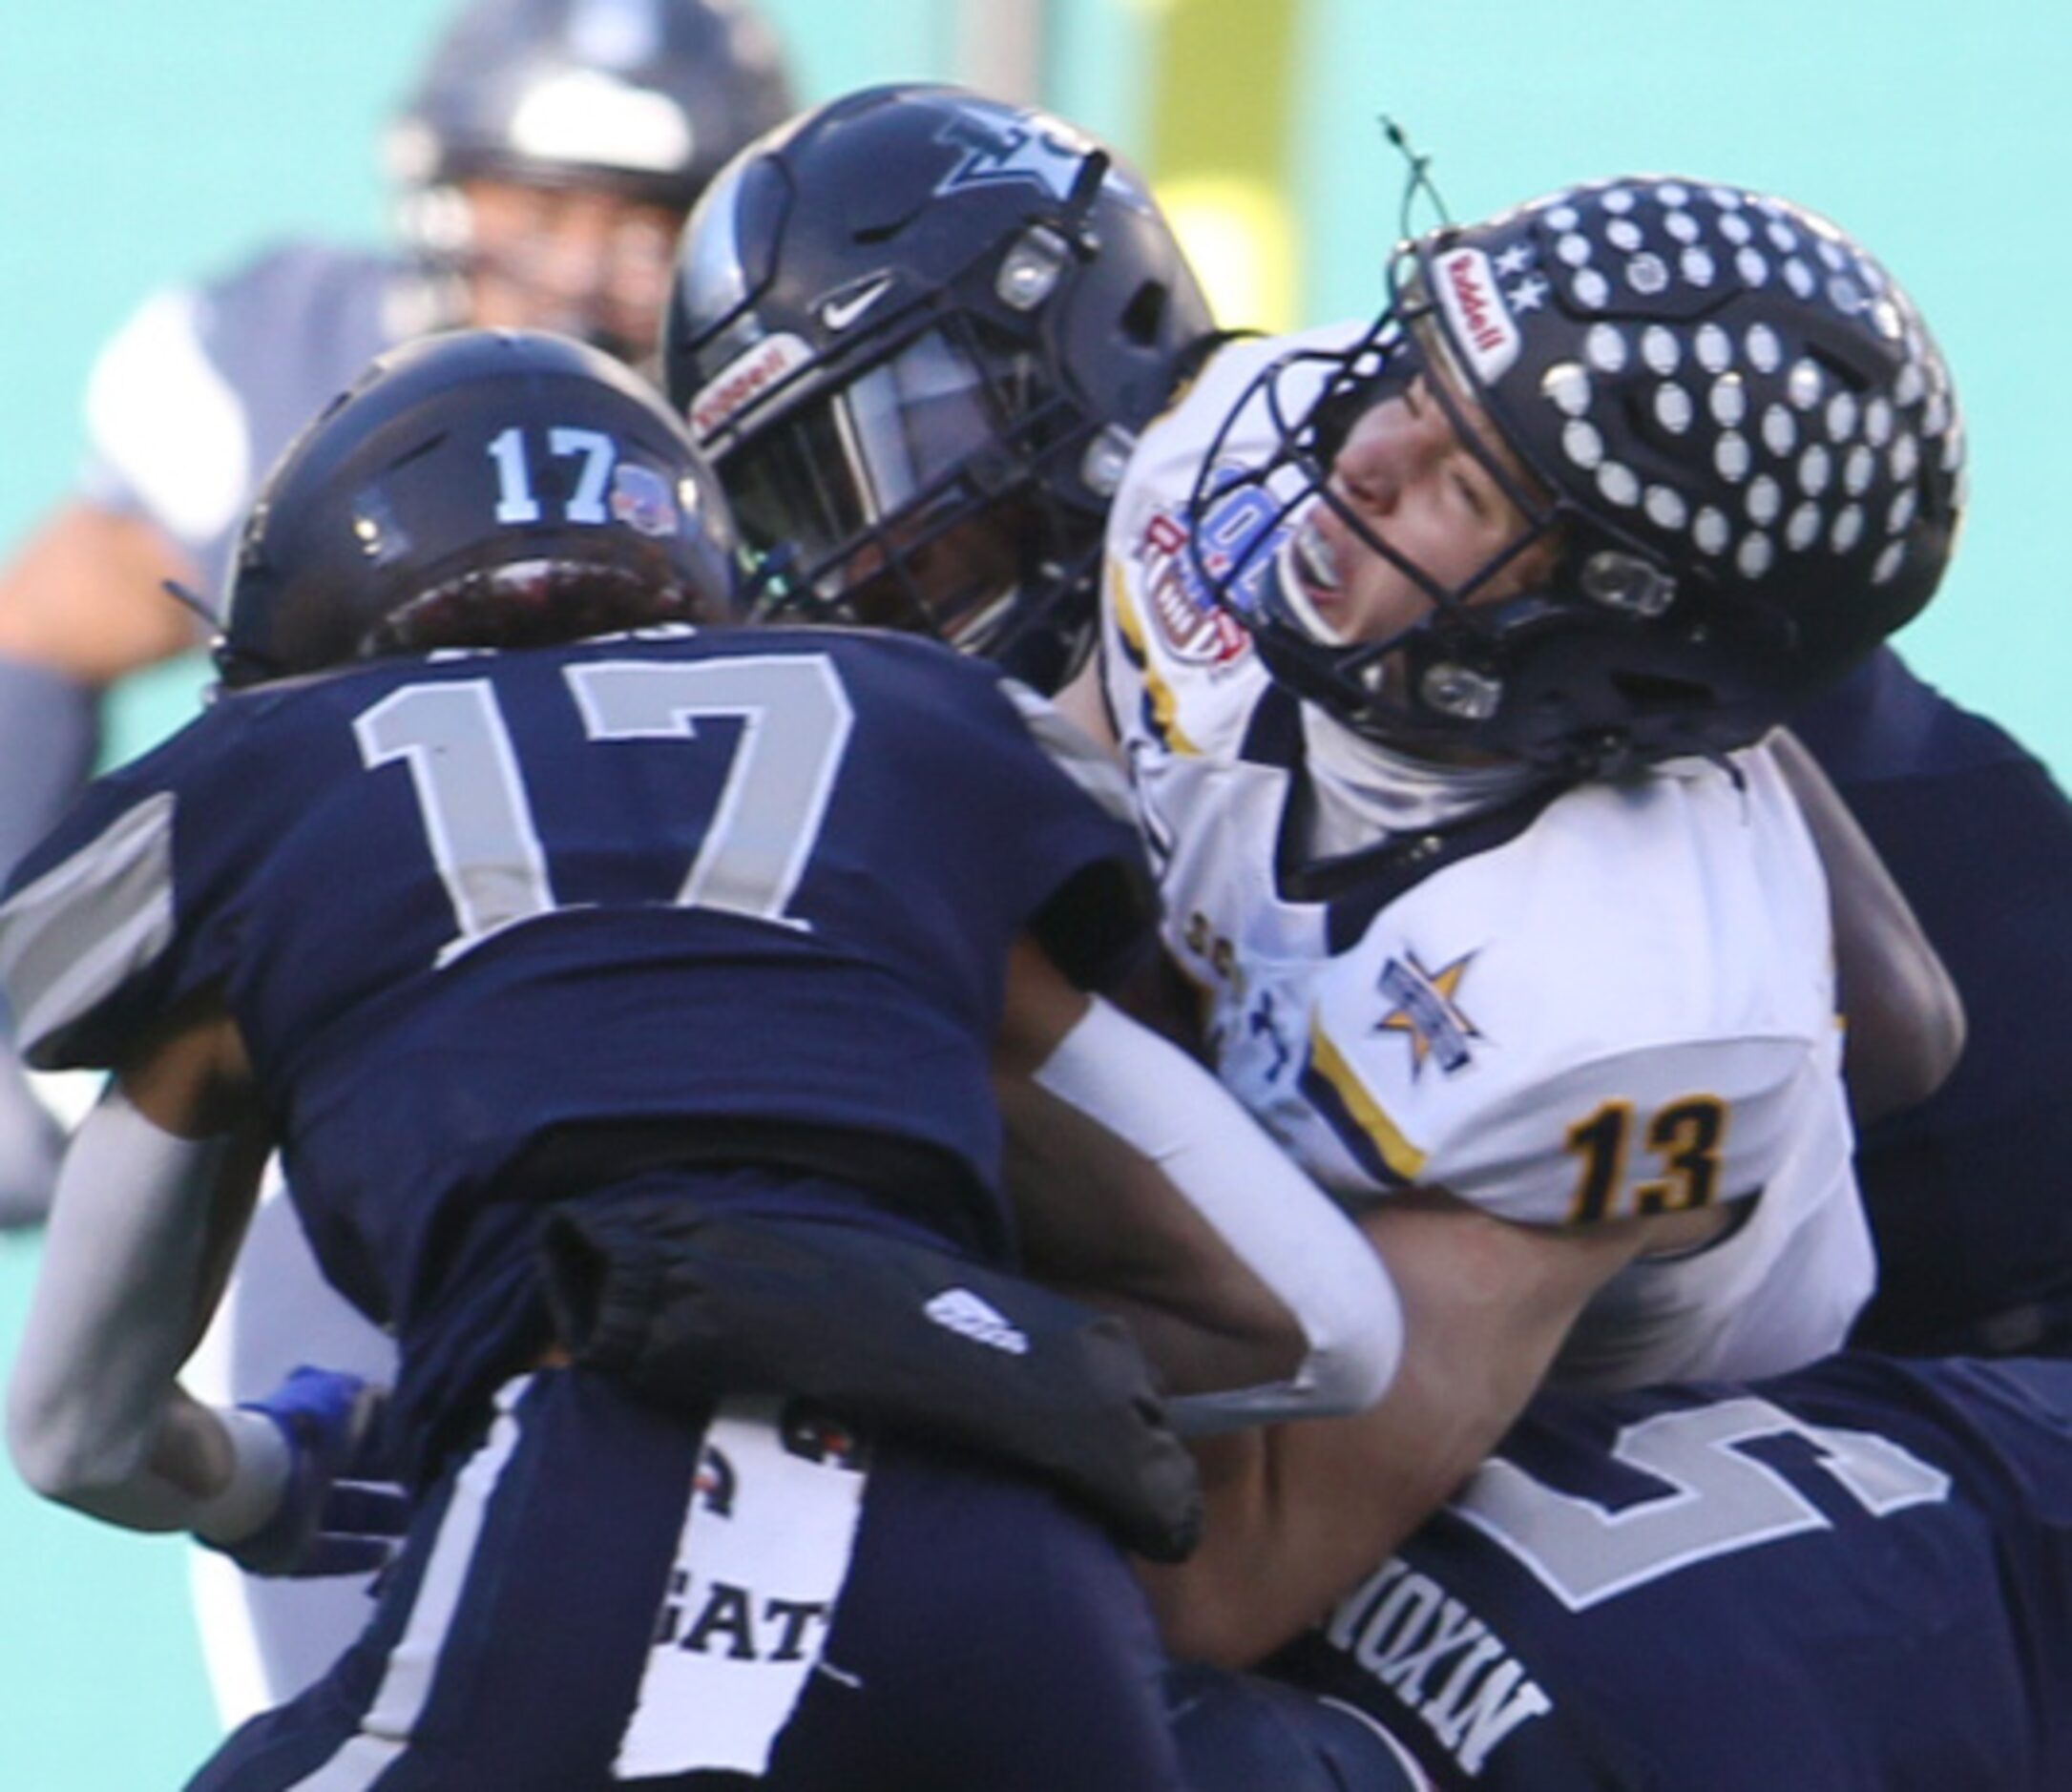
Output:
[[906, 406], [1442, 653]]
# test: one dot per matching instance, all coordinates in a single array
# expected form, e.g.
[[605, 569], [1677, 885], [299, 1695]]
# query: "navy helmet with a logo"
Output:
[[917, 330], [475, 488], [1729, 417]]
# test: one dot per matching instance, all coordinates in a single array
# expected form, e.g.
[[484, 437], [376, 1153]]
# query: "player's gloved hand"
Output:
[[30, 1143], [341, 1512]]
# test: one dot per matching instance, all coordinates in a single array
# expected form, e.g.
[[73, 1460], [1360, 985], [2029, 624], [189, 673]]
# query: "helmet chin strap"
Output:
[[1367, 790]]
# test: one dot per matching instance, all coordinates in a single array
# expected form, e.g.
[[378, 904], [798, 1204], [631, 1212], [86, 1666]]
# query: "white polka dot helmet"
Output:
[[1748, 442]]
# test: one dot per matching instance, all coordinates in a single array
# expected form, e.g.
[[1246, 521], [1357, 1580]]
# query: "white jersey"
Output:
[[1576, 1005]]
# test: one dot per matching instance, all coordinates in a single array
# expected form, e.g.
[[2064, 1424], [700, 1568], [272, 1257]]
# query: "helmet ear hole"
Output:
[[1659, 693], [1143, 318]]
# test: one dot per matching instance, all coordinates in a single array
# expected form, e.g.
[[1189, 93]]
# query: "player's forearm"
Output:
[[1098, 1222], [1299, 1515], [218, 1473], [1255, 1250], [145, 1220], [1906, 1019], [48, 733], [83, 598]]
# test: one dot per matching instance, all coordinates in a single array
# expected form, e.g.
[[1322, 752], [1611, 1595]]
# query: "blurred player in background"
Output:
[[543, 164], [1964, 1189], [672, 933]]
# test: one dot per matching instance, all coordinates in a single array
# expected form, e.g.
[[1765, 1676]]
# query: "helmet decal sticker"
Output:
[[1482, 325], [581, 116], [746, 378], [839, 311], [642, 499], [997, 151]]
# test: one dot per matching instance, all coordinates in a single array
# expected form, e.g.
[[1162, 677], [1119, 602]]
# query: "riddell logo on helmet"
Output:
[[743, 380], [1481, 322]]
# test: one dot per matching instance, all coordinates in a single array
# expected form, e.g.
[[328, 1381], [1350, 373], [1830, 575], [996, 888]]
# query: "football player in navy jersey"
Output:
[[542, 161], [917, 331], [1857, 1577], [1973, 1239], [624, 1006], [542, 165]]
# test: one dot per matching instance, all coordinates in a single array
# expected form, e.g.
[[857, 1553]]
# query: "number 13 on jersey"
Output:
[[1682, 1141]]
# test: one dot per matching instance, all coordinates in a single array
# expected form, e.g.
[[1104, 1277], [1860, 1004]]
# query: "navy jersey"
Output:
[[189, 402], [1854, 1578], [499, 929], [1965, 1192], [600, 1594]]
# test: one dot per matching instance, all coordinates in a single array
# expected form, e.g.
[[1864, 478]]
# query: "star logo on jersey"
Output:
[[1425, 1010], [997, 151]]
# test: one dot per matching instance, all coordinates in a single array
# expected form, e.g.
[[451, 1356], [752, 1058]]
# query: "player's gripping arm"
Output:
[[1142, 1184], [153, 1197], [1296, 1514], [83, 599], [81, 604], [1906, 1020]]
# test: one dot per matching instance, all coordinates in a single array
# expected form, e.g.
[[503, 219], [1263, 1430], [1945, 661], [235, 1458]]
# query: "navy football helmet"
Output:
[[641, 100], [478, 487], [917, 331], [1731, 420]]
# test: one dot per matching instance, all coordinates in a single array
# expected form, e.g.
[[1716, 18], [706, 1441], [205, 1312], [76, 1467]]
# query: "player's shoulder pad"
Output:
[[92, 912], [1075, 752]]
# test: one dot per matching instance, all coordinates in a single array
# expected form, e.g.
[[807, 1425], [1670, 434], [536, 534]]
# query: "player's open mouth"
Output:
[[1309, 574]]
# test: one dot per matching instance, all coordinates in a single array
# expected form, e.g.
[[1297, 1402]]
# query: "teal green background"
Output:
[[146, 139]]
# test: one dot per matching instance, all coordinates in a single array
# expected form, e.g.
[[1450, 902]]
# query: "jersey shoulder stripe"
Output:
[[77, 933], [1331, 1086]]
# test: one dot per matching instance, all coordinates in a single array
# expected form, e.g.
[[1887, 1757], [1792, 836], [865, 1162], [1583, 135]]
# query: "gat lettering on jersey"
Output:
[[745, 1625]]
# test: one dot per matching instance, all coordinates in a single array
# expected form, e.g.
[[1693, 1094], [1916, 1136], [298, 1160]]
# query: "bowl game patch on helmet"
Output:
[[642, 499]]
